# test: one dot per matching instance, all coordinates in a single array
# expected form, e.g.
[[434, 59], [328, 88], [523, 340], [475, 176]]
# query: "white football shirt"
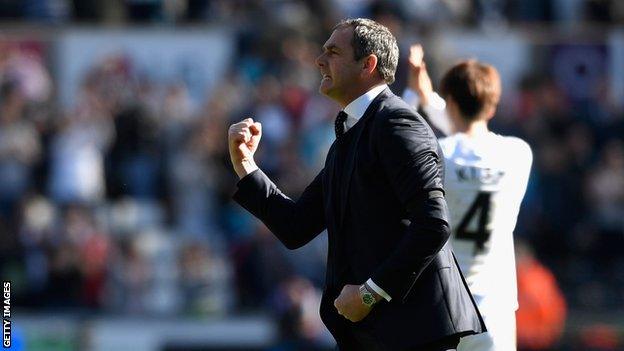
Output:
[[485, 180]]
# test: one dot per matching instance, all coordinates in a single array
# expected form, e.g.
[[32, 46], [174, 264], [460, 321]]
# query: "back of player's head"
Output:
[[474, 86]]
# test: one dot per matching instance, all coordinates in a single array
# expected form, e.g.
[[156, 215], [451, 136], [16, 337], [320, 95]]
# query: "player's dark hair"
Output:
[[474, 87], [370, 37]]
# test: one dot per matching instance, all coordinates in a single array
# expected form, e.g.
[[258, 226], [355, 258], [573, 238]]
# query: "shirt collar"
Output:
[[357, 107]]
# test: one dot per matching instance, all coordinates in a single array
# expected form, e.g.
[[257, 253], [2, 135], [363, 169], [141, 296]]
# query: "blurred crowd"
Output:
[[121, 203], [425, 12]]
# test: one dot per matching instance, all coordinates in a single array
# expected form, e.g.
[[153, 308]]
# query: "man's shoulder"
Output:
[[501, 142], [393, 103], [392, 109], [519, 144], [514, 146]]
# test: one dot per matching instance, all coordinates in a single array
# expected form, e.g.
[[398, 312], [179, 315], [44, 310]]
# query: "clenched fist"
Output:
[[243, 139], [349, 304]]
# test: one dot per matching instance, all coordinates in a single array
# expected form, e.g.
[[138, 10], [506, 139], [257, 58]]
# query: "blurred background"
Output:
[[117, 230]]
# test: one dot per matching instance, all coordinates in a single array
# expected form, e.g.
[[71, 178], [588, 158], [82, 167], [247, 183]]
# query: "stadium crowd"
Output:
[[121, 203]]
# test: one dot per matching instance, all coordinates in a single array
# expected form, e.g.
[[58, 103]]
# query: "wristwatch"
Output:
[[366, 296]]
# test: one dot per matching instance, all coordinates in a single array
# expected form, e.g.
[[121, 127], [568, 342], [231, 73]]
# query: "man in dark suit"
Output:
[[392, 282]]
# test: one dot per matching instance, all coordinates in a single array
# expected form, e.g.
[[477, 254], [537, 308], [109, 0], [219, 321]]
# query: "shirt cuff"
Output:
[[411, 97], [378, 290], [436, 110], [247, 176], [436, 101]]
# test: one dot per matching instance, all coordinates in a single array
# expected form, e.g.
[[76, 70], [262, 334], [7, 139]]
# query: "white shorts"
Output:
[[501, 334]]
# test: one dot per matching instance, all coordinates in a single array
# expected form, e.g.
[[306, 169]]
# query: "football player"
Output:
[[485, 180]]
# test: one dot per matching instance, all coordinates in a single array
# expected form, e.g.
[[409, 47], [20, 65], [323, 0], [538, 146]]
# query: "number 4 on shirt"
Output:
[[480, 207]]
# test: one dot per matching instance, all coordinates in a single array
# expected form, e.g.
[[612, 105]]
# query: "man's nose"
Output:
[[320, 61]]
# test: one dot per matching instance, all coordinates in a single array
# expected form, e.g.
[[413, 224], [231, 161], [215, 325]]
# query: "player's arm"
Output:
[[294, 223], [419, 93], [411, 163]]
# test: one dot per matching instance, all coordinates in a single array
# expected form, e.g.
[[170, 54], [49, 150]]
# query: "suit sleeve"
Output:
[[410, 158], [294, 223]]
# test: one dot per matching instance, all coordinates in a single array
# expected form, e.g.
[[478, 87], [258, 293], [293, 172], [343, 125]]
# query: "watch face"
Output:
[[368, 299]]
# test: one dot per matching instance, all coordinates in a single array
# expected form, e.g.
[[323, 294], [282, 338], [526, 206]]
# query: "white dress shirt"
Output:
[[355, 110]]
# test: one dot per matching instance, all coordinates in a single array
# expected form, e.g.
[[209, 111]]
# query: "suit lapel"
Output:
[[352, 152]]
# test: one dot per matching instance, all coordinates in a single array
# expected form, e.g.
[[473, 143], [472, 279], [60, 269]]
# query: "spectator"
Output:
[[542, 311], [19, 147], [77, 159]]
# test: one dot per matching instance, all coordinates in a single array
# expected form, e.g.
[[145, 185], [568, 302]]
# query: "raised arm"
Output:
[[419, 94], [294, 223]]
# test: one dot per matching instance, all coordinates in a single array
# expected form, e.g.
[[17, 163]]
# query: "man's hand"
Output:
[[418, 79], [349, 304], [243, 140]]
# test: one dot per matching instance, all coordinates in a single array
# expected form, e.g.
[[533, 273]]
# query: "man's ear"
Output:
[[369, 64]]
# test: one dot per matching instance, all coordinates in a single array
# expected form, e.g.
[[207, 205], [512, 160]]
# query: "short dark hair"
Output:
[[370, 37], [474, 86]]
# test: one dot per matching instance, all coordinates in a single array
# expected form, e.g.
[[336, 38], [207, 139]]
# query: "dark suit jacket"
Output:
[[380, 196]]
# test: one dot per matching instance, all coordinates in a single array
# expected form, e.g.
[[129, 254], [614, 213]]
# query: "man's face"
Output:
[[340, 72]]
